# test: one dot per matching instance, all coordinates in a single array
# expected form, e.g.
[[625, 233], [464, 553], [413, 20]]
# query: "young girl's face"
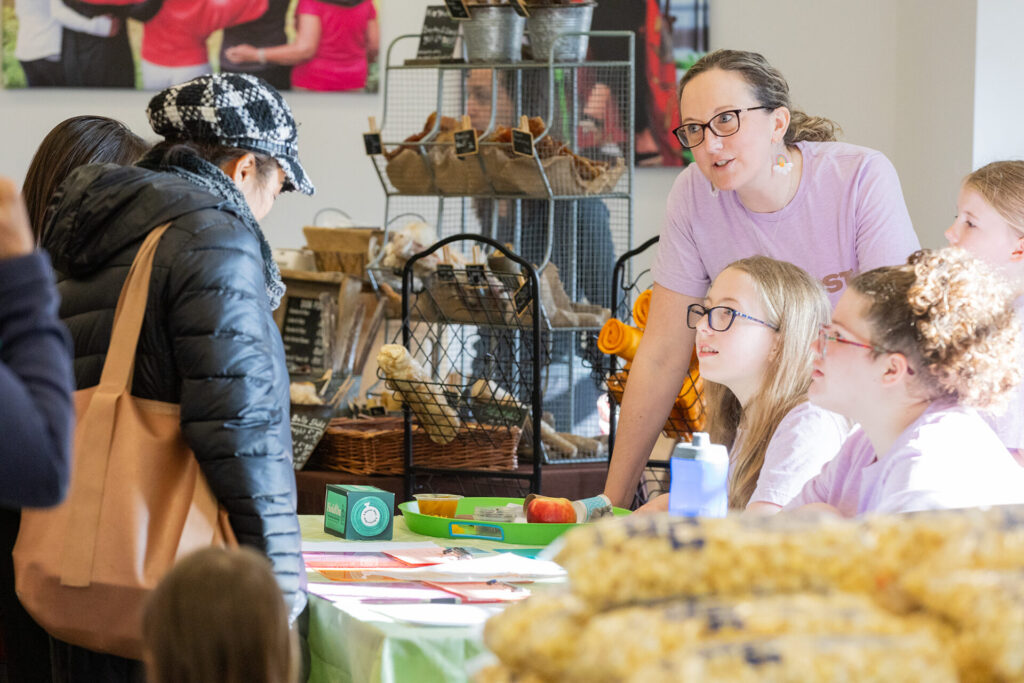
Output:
[[739, 356], [979, 229], [842, 374]]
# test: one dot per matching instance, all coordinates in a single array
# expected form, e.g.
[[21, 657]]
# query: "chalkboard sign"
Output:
[[445, 272], [437, 39], [457, 9], [522, 142], [303, 346], [520, 7], [308, 426], [372, 143], [475, 274], [465, 143], [523, 298]]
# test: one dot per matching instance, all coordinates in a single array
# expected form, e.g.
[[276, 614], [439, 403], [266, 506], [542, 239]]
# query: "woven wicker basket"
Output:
[[375, 446]]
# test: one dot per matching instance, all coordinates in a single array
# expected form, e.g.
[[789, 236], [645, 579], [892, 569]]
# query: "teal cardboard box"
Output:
[[359, 513]]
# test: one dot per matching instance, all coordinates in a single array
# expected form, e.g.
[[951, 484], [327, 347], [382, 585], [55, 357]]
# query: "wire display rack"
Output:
[[687, 415], [568, 207]]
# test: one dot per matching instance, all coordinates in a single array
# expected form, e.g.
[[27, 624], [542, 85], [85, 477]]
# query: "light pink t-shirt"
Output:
[[847, 216], [948, 458], [1009, 426], [340, 59], [806, 438]]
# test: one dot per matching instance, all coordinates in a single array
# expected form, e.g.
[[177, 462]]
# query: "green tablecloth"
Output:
[[355, 644]]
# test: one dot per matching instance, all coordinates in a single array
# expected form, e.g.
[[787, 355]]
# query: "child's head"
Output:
[[219, 616], [755, 352], [990, 214], [940, 326]]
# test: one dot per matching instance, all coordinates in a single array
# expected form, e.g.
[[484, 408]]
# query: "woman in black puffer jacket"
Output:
[[208, 341]]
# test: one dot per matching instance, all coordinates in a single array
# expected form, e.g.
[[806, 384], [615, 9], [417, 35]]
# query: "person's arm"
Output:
[[372, 40], [36, 379], [234, 393], [655, 378], [885, 234], [103, 25], [307, 40]]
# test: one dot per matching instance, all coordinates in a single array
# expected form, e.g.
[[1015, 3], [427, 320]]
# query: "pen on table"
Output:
[[410, 601], [510, 586]]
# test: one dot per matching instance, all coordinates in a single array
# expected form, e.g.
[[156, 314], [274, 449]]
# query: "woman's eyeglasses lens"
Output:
[[725, 124]]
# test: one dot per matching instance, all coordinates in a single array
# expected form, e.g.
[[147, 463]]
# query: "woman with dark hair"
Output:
[[75, 142], [208, 341]]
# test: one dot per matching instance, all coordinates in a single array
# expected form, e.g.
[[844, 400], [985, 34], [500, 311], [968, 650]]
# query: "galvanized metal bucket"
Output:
[[494, 34], [547, 22]]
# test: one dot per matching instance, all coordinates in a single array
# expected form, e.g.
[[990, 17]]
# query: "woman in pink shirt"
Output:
[[334, 43], [910, 355], [755, 332], [767, 179]]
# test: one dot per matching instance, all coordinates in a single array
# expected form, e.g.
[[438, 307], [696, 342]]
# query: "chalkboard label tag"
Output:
[[457, 9], [522, 297], [372, 143], [437, 38], [465, 143], [522, 142], [445, 272], [378, 411], [476, 275]]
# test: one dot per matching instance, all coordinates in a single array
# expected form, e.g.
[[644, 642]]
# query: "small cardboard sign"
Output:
[[437, 38], [457, 9], [520, 7], [522, 139]]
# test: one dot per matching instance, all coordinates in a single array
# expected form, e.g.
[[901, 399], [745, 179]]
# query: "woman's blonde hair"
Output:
[[952, 316], [795, 303], [770, 90], [1001, 184], [219, 617]]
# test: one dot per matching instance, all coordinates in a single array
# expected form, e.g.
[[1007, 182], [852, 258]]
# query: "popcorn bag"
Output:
[[408, 172], [453, 175]]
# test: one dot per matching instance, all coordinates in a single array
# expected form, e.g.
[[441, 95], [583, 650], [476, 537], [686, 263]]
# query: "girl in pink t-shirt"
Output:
[[990, 224], [911, 353], [755, 332]]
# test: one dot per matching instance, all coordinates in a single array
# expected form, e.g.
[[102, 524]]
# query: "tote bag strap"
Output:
[[95, 431]]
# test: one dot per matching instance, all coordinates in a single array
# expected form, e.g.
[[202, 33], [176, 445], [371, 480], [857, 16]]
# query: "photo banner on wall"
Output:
[[671, 36], [316, 45]]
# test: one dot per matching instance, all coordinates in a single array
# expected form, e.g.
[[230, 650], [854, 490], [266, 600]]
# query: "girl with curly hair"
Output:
[[755, 332], [989, 224], [912, 353]]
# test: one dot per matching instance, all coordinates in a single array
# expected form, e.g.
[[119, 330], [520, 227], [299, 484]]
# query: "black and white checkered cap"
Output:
[[235, 110]]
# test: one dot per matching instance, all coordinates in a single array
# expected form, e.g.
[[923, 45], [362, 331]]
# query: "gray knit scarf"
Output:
[[209, 177]]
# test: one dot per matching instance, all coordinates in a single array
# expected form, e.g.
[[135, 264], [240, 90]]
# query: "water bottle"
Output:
[[700, 479]]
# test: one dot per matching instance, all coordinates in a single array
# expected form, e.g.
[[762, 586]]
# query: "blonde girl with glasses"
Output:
[[755, 332], [912, 353], [766, 179], [989, 224]]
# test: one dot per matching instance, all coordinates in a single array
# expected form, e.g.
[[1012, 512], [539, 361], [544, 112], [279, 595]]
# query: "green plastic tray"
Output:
[[520, 533]]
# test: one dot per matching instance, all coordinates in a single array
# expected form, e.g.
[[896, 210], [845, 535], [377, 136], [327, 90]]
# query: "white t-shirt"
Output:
[[1009, 426], [806, 438]]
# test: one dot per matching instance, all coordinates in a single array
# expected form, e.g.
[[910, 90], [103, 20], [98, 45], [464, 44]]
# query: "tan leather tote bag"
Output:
[[137, 503]]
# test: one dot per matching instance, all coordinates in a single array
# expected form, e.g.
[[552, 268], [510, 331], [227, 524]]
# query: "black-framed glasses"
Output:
[[723, 125], [825, 336], [720, 318]]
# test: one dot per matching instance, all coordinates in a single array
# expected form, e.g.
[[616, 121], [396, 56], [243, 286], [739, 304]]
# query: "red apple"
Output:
[[549, 510]]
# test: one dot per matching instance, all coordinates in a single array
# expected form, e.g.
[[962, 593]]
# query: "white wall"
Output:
[[898, 76], [999, 82]]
